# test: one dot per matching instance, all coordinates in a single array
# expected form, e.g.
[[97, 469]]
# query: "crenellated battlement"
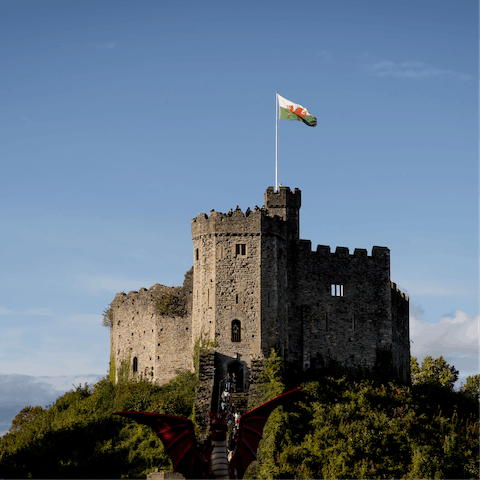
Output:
[[236, 222], [398, 292], [256, 284], [283, 197], [381, 254]]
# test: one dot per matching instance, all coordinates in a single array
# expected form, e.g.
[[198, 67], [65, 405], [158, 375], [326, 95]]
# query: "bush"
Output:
[[77, 436]]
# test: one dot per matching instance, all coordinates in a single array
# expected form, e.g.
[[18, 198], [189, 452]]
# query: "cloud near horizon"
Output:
[[456, 339], [20, 391]]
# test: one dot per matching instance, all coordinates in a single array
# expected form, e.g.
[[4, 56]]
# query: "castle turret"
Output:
[[285, 204]]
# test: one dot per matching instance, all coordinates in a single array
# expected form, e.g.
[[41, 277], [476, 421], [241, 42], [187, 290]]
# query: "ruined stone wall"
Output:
[[133, 330], [153, 326], [349, 325]]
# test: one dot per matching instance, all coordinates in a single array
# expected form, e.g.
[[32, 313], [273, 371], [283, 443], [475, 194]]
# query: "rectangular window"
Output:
[[241, 249], [196, 254], [337, 290]]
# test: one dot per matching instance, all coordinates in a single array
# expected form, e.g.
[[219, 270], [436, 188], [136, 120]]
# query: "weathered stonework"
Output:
[[154, 327], [204, 393], [256, 285]]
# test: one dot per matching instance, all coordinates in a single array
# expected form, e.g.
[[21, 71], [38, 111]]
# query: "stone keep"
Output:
[[255, 285]]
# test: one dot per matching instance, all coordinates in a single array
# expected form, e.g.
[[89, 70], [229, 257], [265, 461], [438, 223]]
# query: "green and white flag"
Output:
[[293, 111]]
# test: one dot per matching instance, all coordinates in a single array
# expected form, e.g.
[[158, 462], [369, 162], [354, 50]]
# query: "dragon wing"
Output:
[[178, 438], [250, 432]]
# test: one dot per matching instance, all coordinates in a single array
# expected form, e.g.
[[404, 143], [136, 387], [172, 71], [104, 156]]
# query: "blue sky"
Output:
[[122, 120]]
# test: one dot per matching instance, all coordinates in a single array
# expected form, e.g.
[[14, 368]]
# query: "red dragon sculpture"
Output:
[[210, 460]]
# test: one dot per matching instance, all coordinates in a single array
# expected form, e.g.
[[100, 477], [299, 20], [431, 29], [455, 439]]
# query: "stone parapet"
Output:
[[204, 392], [164, 475]]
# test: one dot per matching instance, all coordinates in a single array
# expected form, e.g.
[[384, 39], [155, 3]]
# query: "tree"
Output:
[[472, 386], [25, 416], [414, 369], [108, 317], [433, 371]]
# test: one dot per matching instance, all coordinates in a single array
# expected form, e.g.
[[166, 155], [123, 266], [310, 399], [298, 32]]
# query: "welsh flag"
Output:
[[293, 111]]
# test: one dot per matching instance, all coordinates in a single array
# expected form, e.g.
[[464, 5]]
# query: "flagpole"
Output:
[[276, 142]]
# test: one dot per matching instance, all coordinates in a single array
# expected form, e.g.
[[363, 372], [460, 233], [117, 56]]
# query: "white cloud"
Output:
[[36, 368], [387, 68], [110, 284], [38, 311], [437, 288], [456, 339], [64, 383], [82, 320], [459, 334], [32, 311], [106, 46]]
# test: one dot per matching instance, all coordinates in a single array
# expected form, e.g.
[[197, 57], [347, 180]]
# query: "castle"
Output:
[[255, 285]]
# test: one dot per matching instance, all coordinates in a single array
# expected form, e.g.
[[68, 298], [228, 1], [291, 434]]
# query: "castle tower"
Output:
[[285, 204], [240, 279], [255, 285]]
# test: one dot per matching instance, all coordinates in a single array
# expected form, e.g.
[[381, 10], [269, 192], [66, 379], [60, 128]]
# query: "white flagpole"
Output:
[[276, 142]]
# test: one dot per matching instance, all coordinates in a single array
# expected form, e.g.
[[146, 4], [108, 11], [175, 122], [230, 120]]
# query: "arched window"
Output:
[[236, 327], [135, 364]]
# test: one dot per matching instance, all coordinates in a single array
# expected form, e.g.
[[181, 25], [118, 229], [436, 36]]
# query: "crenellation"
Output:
[[256, 285], [342, 252], [323, 250]]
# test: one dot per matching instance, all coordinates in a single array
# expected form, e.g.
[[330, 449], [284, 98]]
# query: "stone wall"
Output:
[[252, 268], [401, 333], [205, 391], [133, 330], [226, 286], [254, 394], [154, 327], [348, 325]]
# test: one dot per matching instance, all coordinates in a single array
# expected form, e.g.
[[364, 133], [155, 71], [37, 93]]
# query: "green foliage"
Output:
[[472, 386], [271, 381], [123, 373], [433, 371], [77, 436], [338, 428], [345, 429], [26, 416], [108, 317], [171, 303], [414, 369], [111, 370]]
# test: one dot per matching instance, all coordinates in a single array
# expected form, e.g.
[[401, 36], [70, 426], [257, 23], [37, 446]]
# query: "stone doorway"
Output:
[[236, 368]]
